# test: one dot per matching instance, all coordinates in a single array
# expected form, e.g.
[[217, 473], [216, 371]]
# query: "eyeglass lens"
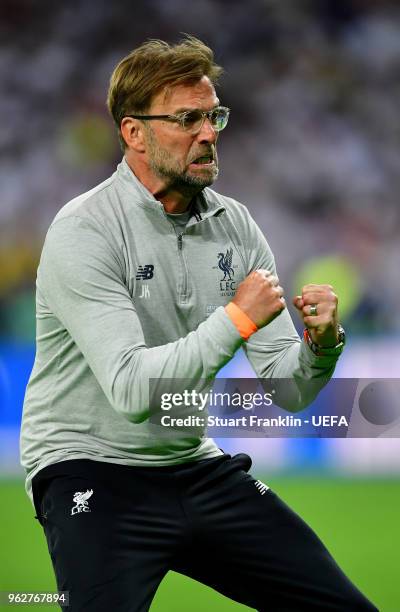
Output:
[[193, 120]]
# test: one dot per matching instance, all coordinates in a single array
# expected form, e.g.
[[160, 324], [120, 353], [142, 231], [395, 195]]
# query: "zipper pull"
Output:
[[180, 242]]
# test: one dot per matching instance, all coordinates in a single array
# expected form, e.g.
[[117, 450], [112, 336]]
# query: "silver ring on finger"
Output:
[[313, 310]]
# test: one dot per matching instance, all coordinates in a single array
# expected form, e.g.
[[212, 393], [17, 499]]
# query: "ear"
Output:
[[133, 133]]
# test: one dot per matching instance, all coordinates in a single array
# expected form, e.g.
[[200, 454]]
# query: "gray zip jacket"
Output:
[[123, 296]]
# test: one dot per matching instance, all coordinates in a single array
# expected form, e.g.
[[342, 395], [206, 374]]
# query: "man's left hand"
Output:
[[318, 308]]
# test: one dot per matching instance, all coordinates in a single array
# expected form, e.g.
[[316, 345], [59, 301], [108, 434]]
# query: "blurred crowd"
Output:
[[312, 147]]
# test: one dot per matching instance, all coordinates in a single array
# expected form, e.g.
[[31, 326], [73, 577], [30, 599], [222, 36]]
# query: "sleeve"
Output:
[[276, 351], [81, 276]]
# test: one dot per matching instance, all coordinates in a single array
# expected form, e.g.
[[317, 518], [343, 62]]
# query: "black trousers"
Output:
[[114, 531]]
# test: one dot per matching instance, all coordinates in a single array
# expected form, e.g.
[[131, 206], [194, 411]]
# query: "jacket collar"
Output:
[[204, 205]]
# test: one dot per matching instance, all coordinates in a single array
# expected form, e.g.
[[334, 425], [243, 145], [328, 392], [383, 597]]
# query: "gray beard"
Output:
[[160, 164], [183, 181]]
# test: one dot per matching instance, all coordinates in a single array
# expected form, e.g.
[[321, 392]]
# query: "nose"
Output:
[[207, 133]]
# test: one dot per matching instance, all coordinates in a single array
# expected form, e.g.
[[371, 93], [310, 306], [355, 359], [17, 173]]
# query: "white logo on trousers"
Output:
[[81, 504], [261, 487]]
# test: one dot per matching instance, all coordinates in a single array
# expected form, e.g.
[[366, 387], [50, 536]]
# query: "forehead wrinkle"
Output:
[[164, 96], [185, 109]]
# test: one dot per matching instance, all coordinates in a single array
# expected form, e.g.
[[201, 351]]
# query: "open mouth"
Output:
[[204, 160]]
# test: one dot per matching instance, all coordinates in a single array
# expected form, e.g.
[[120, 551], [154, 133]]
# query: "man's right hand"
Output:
[[260, 297]]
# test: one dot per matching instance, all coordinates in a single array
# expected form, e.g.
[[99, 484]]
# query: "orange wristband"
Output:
[[245, 326]]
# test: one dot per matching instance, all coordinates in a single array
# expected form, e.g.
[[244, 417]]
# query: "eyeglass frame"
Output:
[[179, 118]]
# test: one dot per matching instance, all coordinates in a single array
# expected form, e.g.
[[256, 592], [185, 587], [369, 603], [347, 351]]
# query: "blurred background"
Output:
[[312, 149]]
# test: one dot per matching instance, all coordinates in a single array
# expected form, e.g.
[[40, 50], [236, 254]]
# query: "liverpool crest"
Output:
[[81, 501], [227, 284]]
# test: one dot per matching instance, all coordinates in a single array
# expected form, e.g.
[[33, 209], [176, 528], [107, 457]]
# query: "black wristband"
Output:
[[326, 351]]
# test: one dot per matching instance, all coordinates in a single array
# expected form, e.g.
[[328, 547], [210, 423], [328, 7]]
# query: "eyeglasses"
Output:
[[193, 120]]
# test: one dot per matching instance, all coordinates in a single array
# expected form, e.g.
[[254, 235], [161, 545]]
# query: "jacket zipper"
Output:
[[183, 291], [182, 295]]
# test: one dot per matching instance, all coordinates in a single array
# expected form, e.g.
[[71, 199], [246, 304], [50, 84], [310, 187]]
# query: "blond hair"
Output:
[[154, 65]]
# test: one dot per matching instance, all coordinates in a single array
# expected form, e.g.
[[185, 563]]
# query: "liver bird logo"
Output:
[[81, 504], [225, 264]]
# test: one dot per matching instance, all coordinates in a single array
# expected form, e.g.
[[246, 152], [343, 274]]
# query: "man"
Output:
[[130, 289]]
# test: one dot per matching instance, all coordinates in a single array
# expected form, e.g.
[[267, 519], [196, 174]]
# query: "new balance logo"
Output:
[[81, 504], [261, 487], [145, 272]]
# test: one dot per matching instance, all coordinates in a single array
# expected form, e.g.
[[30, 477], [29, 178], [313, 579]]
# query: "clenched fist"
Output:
[[260, 297], [317, 306]]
